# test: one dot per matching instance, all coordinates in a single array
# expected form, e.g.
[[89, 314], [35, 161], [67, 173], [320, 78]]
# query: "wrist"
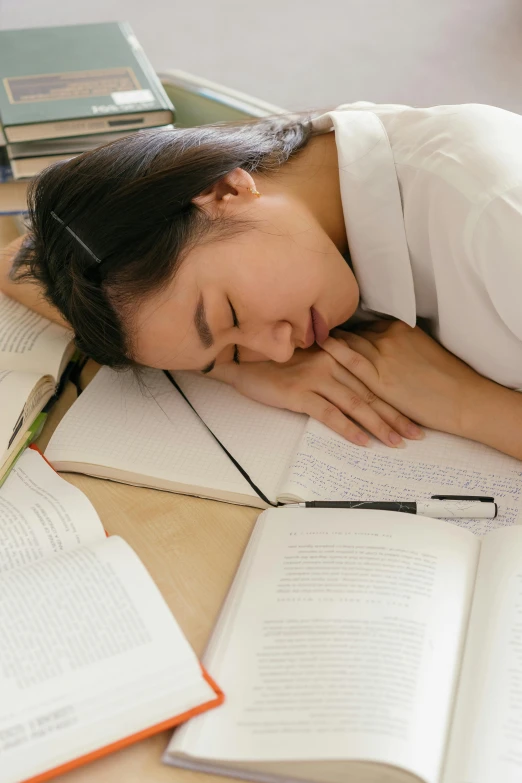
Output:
[[482, 403]]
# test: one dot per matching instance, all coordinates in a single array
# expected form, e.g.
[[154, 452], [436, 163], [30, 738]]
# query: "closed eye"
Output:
[[235, 322]]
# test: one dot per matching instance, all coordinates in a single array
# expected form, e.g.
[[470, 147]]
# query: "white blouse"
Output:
[[432, 200]]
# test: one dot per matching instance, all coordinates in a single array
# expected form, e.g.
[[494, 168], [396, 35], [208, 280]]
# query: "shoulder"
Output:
[[464, 117], [474, 123], [495, 253], [474, 148], [459, 170]]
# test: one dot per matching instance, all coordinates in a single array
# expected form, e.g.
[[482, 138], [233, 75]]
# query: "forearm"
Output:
[[28, 293], [493, 415]]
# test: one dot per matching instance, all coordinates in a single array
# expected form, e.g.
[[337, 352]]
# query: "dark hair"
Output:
[[130, 202]]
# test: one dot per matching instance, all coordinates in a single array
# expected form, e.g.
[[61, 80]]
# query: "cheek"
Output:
[[263, 292], [279, 300], [280, 286], [282, 277]]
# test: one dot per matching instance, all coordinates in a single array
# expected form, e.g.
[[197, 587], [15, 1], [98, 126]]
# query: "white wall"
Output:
[[302, 54]]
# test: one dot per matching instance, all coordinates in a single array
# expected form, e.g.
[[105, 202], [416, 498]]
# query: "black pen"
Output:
[[438, 507]]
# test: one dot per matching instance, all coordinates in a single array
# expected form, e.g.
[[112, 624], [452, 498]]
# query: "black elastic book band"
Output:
[[227, 452]]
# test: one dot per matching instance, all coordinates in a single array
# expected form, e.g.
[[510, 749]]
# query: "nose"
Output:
[[274, 342]]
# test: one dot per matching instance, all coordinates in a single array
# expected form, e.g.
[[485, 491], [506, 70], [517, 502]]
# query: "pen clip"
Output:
[[480, 498]]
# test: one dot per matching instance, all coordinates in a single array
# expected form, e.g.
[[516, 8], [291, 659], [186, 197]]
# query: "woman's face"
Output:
[[256, 295]]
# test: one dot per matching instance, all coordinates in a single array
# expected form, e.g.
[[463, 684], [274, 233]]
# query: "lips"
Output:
[[309, 339], [320, 327]]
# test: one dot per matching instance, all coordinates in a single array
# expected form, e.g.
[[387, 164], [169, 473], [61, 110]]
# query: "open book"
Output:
[[366, 647], [145, 433], [91, 658], [33, 354]]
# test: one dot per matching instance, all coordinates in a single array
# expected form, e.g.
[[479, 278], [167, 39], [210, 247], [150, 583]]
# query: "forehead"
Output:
[[163, 333]]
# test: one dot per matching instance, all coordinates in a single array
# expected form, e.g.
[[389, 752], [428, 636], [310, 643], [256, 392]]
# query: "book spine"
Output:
[[197, 85], [30, 436], [146, 66]]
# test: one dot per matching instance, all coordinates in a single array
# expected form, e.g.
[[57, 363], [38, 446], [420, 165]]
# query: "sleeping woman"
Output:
[[363, 266]]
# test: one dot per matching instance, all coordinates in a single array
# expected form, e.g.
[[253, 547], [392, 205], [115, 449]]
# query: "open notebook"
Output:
[[33, 355], [91, 657], [146, 434]]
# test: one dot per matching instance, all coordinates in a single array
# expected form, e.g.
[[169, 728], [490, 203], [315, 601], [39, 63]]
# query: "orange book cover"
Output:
[[140, 735], [34, 447]]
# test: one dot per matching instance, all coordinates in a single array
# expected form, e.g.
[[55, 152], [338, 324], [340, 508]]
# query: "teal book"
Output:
[[75, 80]]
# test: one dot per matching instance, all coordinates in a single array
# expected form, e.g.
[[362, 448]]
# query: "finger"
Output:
[[356, 363], [357, 341], [336, 397], [397, 421], [362, 344], [324, 411], [353, 405]]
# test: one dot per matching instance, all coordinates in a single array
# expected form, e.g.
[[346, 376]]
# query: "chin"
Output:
[[346, 314]]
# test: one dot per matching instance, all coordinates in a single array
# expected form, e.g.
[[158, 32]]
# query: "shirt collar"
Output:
[[372, 212]]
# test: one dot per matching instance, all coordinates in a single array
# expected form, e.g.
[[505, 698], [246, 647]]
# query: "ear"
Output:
[[232, 190]]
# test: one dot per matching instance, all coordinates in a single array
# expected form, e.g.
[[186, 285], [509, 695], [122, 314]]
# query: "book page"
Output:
[[89, 654], [327, 467], [340, 639], [41, 514], [22, 396], [148, 431], [486, 738], [29, 342]]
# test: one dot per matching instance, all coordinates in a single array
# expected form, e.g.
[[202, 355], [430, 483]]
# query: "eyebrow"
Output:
[[203, 330], [201, 323]]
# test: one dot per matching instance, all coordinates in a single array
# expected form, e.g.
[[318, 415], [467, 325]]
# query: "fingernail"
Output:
[[414, 432], [395, 439], [362, 439]]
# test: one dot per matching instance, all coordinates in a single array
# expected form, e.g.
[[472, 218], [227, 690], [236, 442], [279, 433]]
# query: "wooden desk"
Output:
[[192, 549]]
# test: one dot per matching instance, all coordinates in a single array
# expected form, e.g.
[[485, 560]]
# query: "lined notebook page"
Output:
[[148, 429], [261, 438], [328, 467]]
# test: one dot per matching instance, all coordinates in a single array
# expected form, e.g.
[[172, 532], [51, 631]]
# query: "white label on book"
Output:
[[132, 96]]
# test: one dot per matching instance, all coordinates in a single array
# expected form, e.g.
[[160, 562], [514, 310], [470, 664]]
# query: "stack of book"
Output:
[[66, 90]]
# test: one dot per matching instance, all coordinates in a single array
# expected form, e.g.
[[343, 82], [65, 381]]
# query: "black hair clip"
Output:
[[93, 271]]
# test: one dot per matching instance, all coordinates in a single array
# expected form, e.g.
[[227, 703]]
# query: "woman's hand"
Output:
[[410, 371], [27, 292], [315, 383]]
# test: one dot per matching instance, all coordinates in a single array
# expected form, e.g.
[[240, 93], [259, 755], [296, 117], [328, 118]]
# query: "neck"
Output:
[[312, 178]]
